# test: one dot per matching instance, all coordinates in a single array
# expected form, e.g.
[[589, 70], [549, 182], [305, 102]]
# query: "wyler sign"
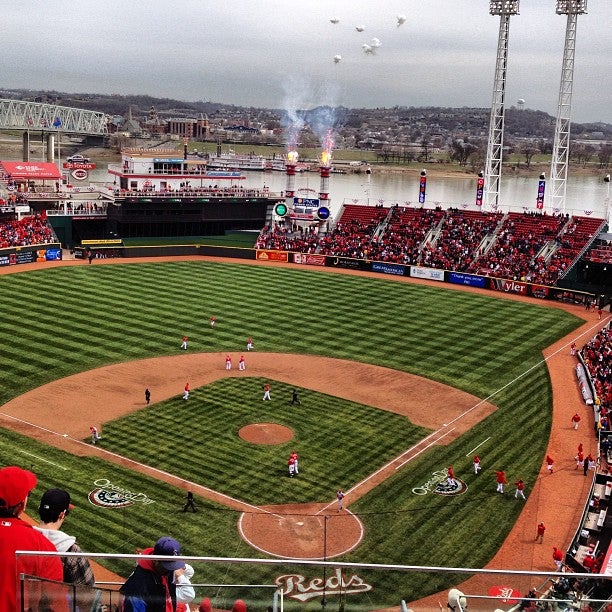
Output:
[[108, 495]]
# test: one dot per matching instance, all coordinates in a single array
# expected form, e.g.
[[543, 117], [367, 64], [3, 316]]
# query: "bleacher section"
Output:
[[531, 247], [26, 231], [456, 245]]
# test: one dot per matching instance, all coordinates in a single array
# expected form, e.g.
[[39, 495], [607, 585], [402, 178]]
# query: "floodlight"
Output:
[[504, 7], [571, 7]]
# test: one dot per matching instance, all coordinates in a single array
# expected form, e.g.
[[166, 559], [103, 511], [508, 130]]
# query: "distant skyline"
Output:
[[288, 55]]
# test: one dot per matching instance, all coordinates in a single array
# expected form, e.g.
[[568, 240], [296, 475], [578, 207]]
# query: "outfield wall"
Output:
[[30, 254]]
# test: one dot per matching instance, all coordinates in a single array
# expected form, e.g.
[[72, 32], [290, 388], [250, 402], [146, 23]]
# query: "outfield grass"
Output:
[[67, 320]]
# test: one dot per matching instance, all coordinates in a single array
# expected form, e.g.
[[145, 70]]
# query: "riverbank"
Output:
[[11, 149]]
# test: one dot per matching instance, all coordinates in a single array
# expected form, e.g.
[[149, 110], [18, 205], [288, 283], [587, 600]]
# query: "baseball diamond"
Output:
[[100, 377]]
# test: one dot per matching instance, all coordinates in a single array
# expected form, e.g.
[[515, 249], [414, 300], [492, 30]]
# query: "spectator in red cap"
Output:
[[15, 534], [205, 605], [239, 606], [54, 508]]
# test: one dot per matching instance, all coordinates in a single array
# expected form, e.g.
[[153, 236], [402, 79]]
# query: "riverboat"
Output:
[[233, 161], [164, 170], [159, 193]]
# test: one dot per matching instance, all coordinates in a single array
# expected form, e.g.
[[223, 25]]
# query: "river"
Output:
[[586, 195]]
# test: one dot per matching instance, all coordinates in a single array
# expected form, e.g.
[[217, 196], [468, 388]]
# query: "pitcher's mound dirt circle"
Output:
[[266, 433], [302, 531]]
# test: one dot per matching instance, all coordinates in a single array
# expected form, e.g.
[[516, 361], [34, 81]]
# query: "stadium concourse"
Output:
[[558, 501]]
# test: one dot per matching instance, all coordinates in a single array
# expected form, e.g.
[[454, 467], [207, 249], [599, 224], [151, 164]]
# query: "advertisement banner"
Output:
[[53, 254], [539, 291], [422, 187], [540, 200], [467, 279], [508, 286], [265, 255], [309, 260], [347, 263], [25, 257], [479, 190], [427, 273], [387, 268]]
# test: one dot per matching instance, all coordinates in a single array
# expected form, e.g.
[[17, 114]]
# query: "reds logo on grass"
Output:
[[108, 495]]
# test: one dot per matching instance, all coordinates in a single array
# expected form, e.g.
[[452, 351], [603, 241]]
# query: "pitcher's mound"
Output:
[[266, 433]]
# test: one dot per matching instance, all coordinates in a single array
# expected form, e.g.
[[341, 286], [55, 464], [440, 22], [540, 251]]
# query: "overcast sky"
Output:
[[275, 54]]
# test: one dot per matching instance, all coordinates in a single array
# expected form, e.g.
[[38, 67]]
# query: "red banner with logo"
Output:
[[265, 255]]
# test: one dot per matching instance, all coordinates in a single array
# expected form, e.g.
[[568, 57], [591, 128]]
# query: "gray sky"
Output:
[[277, 54]]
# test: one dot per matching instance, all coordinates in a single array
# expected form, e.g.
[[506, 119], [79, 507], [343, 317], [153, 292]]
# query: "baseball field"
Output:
[[397, 381]]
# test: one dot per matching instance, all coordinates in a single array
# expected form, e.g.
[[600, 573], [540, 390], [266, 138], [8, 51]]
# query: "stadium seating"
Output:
[[25, 232]]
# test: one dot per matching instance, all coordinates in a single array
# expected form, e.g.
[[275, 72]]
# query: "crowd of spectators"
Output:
[[514, 254], [597, 355], [459, 239], [26, 232], [530, 247]]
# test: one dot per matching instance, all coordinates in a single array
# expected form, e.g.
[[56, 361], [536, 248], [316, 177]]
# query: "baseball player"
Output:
[[549, 464], [267, 392], [295, 458], [228, 362], [147, 396], [579, 459], [186, 391], [242, 363], [212, 322], [184, 343], [291, 465], [450, 476], [520, 488], [558, 558], [95, 436], [576, 420], [476, 464], [250, 344], [573, 349], [540, 532], [501, 480], [339, 497]]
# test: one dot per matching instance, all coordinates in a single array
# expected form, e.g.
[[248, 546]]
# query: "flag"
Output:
[[30, 122], [57, 122]]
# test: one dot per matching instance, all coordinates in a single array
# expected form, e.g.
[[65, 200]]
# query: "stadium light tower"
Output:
[[560, 156], [505, 9]]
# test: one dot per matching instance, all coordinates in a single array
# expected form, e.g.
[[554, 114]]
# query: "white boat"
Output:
[[164, 170]]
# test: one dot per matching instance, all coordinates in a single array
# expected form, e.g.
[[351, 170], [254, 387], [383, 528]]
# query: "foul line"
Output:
[[61, 467], [476, 447]]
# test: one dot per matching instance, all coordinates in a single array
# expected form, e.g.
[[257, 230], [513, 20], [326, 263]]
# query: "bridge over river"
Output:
[[24, 115]]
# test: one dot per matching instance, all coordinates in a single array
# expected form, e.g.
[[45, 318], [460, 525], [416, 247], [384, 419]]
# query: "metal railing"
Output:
[[299, 584]]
